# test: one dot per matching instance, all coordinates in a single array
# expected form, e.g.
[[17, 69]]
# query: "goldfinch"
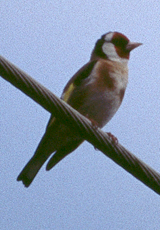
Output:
[[96, 91]]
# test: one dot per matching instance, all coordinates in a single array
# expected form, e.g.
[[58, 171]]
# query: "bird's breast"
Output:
[[106, 89], [110, 75]]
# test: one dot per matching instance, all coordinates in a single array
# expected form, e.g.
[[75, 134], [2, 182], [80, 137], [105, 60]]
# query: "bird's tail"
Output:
[[31, 169], [58, 139], [63, 152], [29, 172]]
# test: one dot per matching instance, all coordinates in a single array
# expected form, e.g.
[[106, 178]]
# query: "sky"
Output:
[[51, 40]]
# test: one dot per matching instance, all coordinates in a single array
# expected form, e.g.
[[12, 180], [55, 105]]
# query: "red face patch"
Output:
[[120, 42]]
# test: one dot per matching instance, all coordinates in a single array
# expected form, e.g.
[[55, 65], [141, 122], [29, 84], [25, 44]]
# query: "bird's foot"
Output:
[[113, 138]]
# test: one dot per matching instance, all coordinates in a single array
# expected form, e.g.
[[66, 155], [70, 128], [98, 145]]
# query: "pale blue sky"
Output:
[[51, 40]]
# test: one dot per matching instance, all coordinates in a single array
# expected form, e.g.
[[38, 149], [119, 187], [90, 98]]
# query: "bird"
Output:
[[96, 91]]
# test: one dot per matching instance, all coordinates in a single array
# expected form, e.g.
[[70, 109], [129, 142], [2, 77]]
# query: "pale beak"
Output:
[[132, 45]]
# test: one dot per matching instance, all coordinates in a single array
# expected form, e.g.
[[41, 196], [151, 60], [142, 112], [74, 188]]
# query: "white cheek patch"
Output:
[[110, 51]]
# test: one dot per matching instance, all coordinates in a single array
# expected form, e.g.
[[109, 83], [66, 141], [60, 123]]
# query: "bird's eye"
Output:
[[119, 41]]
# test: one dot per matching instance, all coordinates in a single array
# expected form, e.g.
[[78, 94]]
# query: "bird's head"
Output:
[[114, 46]]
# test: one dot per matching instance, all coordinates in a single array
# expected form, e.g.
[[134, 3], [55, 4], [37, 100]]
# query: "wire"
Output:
[[80, 124]]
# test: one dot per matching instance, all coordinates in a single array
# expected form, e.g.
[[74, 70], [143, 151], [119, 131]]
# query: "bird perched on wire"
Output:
[[96, 91]]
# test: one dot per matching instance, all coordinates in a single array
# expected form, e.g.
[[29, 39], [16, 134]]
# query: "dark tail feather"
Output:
[[61, 153], [58, 156], [31, 169], [43, 151]]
